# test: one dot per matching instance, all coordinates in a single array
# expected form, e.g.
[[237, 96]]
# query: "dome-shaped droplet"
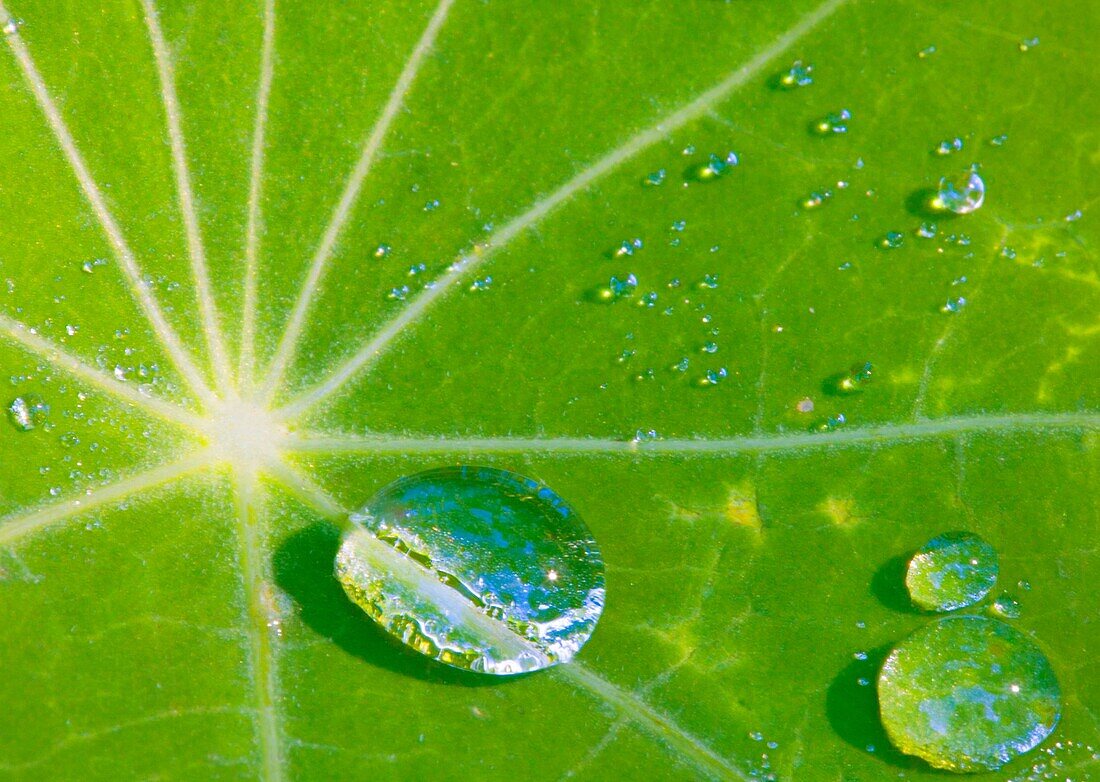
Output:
[[28, 412], [477, 567], [961, 195], [952, 570], [968, 693]]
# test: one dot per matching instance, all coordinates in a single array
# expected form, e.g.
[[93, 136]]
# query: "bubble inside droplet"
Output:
[[968, 694], [962, 195], [477, 567], [28, 412], [952, 570]]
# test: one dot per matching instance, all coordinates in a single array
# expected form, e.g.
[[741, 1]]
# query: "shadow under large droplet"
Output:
[[852, 709], [304, 570], [888, 584]]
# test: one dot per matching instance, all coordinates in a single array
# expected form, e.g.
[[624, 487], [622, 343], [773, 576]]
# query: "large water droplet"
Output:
[[28, 412], [476, 567], [967, 694], [952, 570], [961, 195]]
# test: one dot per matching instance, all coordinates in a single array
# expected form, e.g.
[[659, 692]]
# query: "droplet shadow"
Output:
[[888, 585], [303, 567], [853, 711]]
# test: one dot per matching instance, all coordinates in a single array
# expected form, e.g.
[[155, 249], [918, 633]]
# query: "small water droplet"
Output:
[[713, 377], [968, 694], [798, 75], [852, 381], [482, 284], [627, 247], [949, 146], [815, 199], [998, 141], [431, 205], [12, 25], [382, 250], [709, 281], [927, 231], [892, 240], [714, 168], [1006, 606], [710, 347], [951, 571], [400, 293], [833, 123], [655, 178], [926, 52], [953, 305], [619, 288], [1028, 44], [961, 195], [476, 567], [830, 424], [28, 412]]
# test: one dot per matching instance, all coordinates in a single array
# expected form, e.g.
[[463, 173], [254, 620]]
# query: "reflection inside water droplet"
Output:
[[961, 195], [953, 570], [479, 568], [28, 412], [968, 694]]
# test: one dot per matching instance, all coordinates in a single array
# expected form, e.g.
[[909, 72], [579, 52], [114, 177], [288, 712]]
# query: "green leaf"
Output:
[[194, 197]]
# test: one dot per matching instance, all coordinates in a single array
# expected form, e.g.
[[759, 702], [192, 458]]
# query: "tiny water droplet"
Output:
[[852, 381], [949, 146], [998, 141], [1006, 606], [968, 694], [815, 199], [709, 281], [714, 168], [482, 284], [417, 268], [28, 412], [833, 123], [648, 300], [926, 52], [619, 288], [400, 293], [798, 75], [382, 250], [710, 347], [951, 571], [431, 205], [627, 247], [655, 178], [892, 240], [713, 377], [1028, 44], [953, 305], [961, 195], [12, 25], [830, 424], [476, 567], [927, 231]]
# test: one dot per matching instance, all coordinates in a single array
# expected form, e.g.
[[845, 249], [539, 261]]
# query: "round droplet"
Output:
[[798, 75], [968, 694], [28, 412], [961, 195], [477, 567], [952, 570]]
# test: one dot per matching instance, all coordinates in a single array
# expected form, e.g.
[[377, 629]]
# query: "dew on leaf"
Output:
[[400, 293], [998, 141], [927, 231], [830, 424], [1028, 44], [926, 52], [481, 284], [28, 412], [713, 377], [953, 570], [833, 123], [815, 199], [798, 75], [892, 240], [655, 178], [714, 168], [948, 146], [619, 288], [1005, 606], [852, 381], [11, 26], [626, 247], [953, 305], [382, 250], [476, 567], [968, 694], [961, 195]]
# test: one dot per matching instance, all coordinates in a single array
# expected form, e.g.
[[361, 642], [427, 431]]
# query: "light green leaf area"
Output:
[[261, 259]]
